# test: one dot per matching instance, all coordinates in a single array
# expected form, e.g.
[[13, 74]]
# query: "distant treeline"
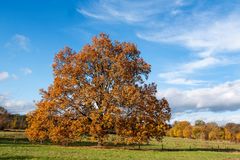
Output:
[[184, 129], [205, 131], [11, 121]]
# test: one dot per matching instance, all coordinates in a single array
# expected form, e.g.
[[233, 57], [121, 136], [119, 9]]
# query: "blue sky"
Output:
[[192, 45]]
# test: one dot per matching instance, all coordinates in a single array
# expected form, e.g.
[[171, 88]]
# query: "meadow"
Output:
[[14, 145]]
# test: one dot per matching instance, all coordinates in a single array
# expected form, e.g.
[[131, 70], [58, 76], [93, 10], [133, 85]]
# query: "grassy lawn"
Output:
[[14, 145]]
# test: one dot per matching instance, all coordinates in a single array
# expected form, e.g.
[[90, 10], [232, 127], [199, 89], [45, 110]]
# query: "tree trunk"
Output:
[[148, 141], [100, 142]]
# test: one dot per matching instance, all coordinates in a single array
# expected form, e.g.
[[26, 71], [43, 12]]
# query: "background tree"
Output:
[[11, 121], [16, 121], [181, 129], [213, 131], [199, 123], [3, 118], [238, 137], [198, 132], [187, 132], [99, 90], [231, 130], [205, 131]]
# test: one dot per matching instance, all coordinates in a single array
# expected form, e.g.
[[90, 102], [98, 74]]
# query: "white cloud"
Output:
[[26, 71], [4, 75], [207, 116], [15, 106], [222, 97], [221, 36], [19, 106], [18, 42]]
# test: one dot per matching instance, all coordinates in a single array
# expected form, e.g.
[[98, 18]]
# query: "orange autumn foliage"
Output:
[[99, 91]]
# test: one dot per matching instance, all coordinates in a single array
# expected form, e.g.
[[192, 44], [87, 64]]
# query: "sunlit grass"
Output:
[[173, 149]]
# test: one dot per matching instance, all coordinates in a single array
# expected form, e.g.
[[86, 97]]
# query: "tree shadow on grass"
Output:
[[13, 141], [16, 157], [10, 142], [190, 149], [22, 142], [110, 145], [105, 145], [83, 143]]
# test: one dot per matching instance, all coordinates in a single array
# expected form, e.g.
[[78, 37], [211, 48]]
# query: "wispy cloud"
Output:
[[183, 81], [216, 36], [201, 63], [128, 11], [19, 42], [211, 42], [89, 14], [4, 75], [179, 76], [26, 71]]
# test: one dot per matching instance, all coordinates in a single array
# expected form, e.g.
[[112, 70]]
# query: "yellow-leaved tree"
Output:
[[99, 91]]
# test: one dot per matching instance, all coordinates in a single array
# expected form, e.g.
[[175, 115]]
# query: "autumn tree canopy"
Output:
[[99, 91]]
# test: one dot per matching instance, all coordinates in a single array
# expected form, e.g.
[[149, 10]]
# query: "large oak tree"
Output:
[[99, 91]]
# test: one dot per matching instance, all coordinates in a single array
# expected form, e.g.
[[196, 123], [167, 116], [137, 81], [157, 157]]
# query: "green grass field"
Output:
[[14, 145]]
